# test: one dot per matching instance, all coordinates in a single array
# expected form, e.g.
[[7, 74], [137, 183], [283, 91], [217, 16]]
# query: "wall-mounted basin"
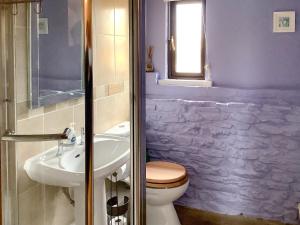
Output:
[[67, 170]]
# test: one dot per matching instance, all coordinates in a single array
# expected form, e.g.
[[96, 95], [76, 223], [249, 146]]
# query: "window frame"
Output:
[[172, 74]]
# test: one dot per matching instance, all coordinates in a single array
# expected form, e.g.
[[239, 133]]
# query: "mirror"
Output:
[[55, 51]]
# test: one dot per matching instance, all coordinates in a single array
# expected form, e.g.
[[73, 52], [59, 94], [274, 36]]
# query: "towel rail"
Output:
[[15, 3], [10, 2]]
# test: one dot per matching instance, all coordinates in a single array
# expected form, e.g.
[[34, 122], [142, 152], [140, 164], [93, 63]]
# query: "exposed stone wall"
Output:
[[241, 157]]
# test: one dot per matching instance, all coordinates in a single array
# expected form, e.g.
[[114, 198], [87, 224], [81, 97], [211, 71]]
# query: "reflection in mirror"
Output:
[[55, 52]]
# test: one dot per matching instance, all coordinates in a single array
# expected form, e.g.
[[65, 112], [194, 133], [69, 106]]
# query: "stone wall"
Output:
[[241, 157]]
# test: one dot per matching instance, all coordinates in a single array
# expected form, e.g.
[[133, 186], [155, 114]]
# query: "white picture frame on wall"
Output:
[[284, 22]]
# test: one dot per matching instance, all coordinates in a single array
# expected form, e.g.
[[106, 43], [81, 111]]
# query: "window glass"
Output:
[[188, 37]]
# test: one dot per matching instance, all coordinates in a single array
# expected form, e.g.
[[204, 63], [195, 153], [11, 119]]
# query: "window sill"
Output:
[[185, 83]]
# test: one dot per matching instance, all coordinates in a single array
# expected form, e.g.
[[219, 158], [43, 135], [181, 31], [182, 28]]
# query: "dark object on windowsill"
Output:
[[149, 68], [149, 64]]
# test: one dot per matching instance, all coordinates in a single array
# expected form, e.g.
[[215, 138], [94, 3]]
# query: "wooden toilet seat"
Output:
[[160, 174]]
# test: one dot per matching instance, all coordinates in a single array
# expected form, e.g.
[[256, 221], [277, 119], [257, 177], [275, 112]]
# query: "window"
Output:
[[187, 40]]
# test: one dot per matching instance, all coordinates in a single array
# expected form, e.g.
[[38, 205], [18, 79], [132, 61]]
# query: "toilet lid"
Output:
[[159, 172]]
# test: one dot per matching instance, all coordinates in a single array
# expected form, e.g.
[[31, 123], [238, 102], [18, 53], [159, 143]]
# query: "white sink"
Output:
[[110, 153]]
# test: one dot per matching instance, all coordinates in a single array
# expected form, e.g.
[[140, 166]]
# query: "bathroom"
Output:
[[220, 144]]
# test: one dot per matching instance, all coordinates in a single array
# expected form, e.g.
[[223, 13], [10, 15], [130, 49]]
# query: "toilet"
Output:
[[166, 182]]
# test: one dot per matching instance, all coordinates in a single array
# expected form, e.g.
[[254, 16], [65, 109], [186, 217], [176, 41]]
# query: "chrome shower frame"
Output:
[[137, 101], [137, 112]]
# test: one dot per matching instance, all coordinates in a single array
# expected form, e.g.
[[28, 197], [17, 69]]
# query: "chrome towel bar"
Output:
[[10, 136]]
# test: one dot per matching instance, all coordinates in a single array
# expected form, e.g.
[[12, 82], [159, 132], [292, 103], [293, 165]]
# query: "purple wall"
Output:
[[242, 158], [242, 49], [241, 147], [155, 32]]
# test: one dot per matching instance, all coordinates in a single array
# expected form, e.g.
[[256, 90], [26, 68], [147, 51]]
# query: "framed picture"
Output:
[[284, 22]]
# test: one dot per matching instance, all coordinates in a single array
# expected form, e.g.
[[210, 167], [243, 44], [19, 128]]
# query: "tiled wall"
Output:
[[40, 204]]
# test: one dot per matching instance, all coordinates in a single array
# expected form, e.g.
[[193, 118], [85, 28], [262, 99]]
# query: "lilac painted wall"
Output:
[[242, 49], [155, 32], [242, 158]]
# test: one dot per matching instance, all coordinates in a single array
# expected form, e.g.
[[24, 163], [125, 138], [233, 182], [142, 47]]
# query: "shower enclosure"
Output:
[[71, 64]]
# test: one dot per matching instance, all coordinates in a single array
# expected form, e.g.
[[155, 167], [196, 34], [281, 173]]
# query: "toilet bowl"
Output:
[[166, 182]]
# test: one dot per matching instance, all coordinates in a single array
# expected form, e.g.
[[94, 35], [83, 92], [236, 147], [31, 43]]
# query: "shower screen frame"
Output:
[[137, 112]]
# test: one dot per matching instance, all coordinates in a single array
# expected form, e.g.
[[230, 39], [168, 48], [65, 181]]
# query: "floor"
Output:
[[190, 216]]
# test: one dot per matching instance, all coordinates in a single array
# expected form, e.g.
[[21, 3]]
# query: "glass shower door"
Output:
[[43, 180], [112, 111], [42, 93]]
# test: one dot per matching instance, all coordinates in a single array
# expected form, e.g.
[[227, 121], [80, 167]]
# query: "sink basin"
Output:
[[110, 153]]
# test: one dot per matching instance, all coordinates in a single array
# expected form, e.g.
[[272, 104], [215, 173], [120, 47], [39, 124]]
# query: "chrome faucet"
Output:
[[71, 137], [60, 148]]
